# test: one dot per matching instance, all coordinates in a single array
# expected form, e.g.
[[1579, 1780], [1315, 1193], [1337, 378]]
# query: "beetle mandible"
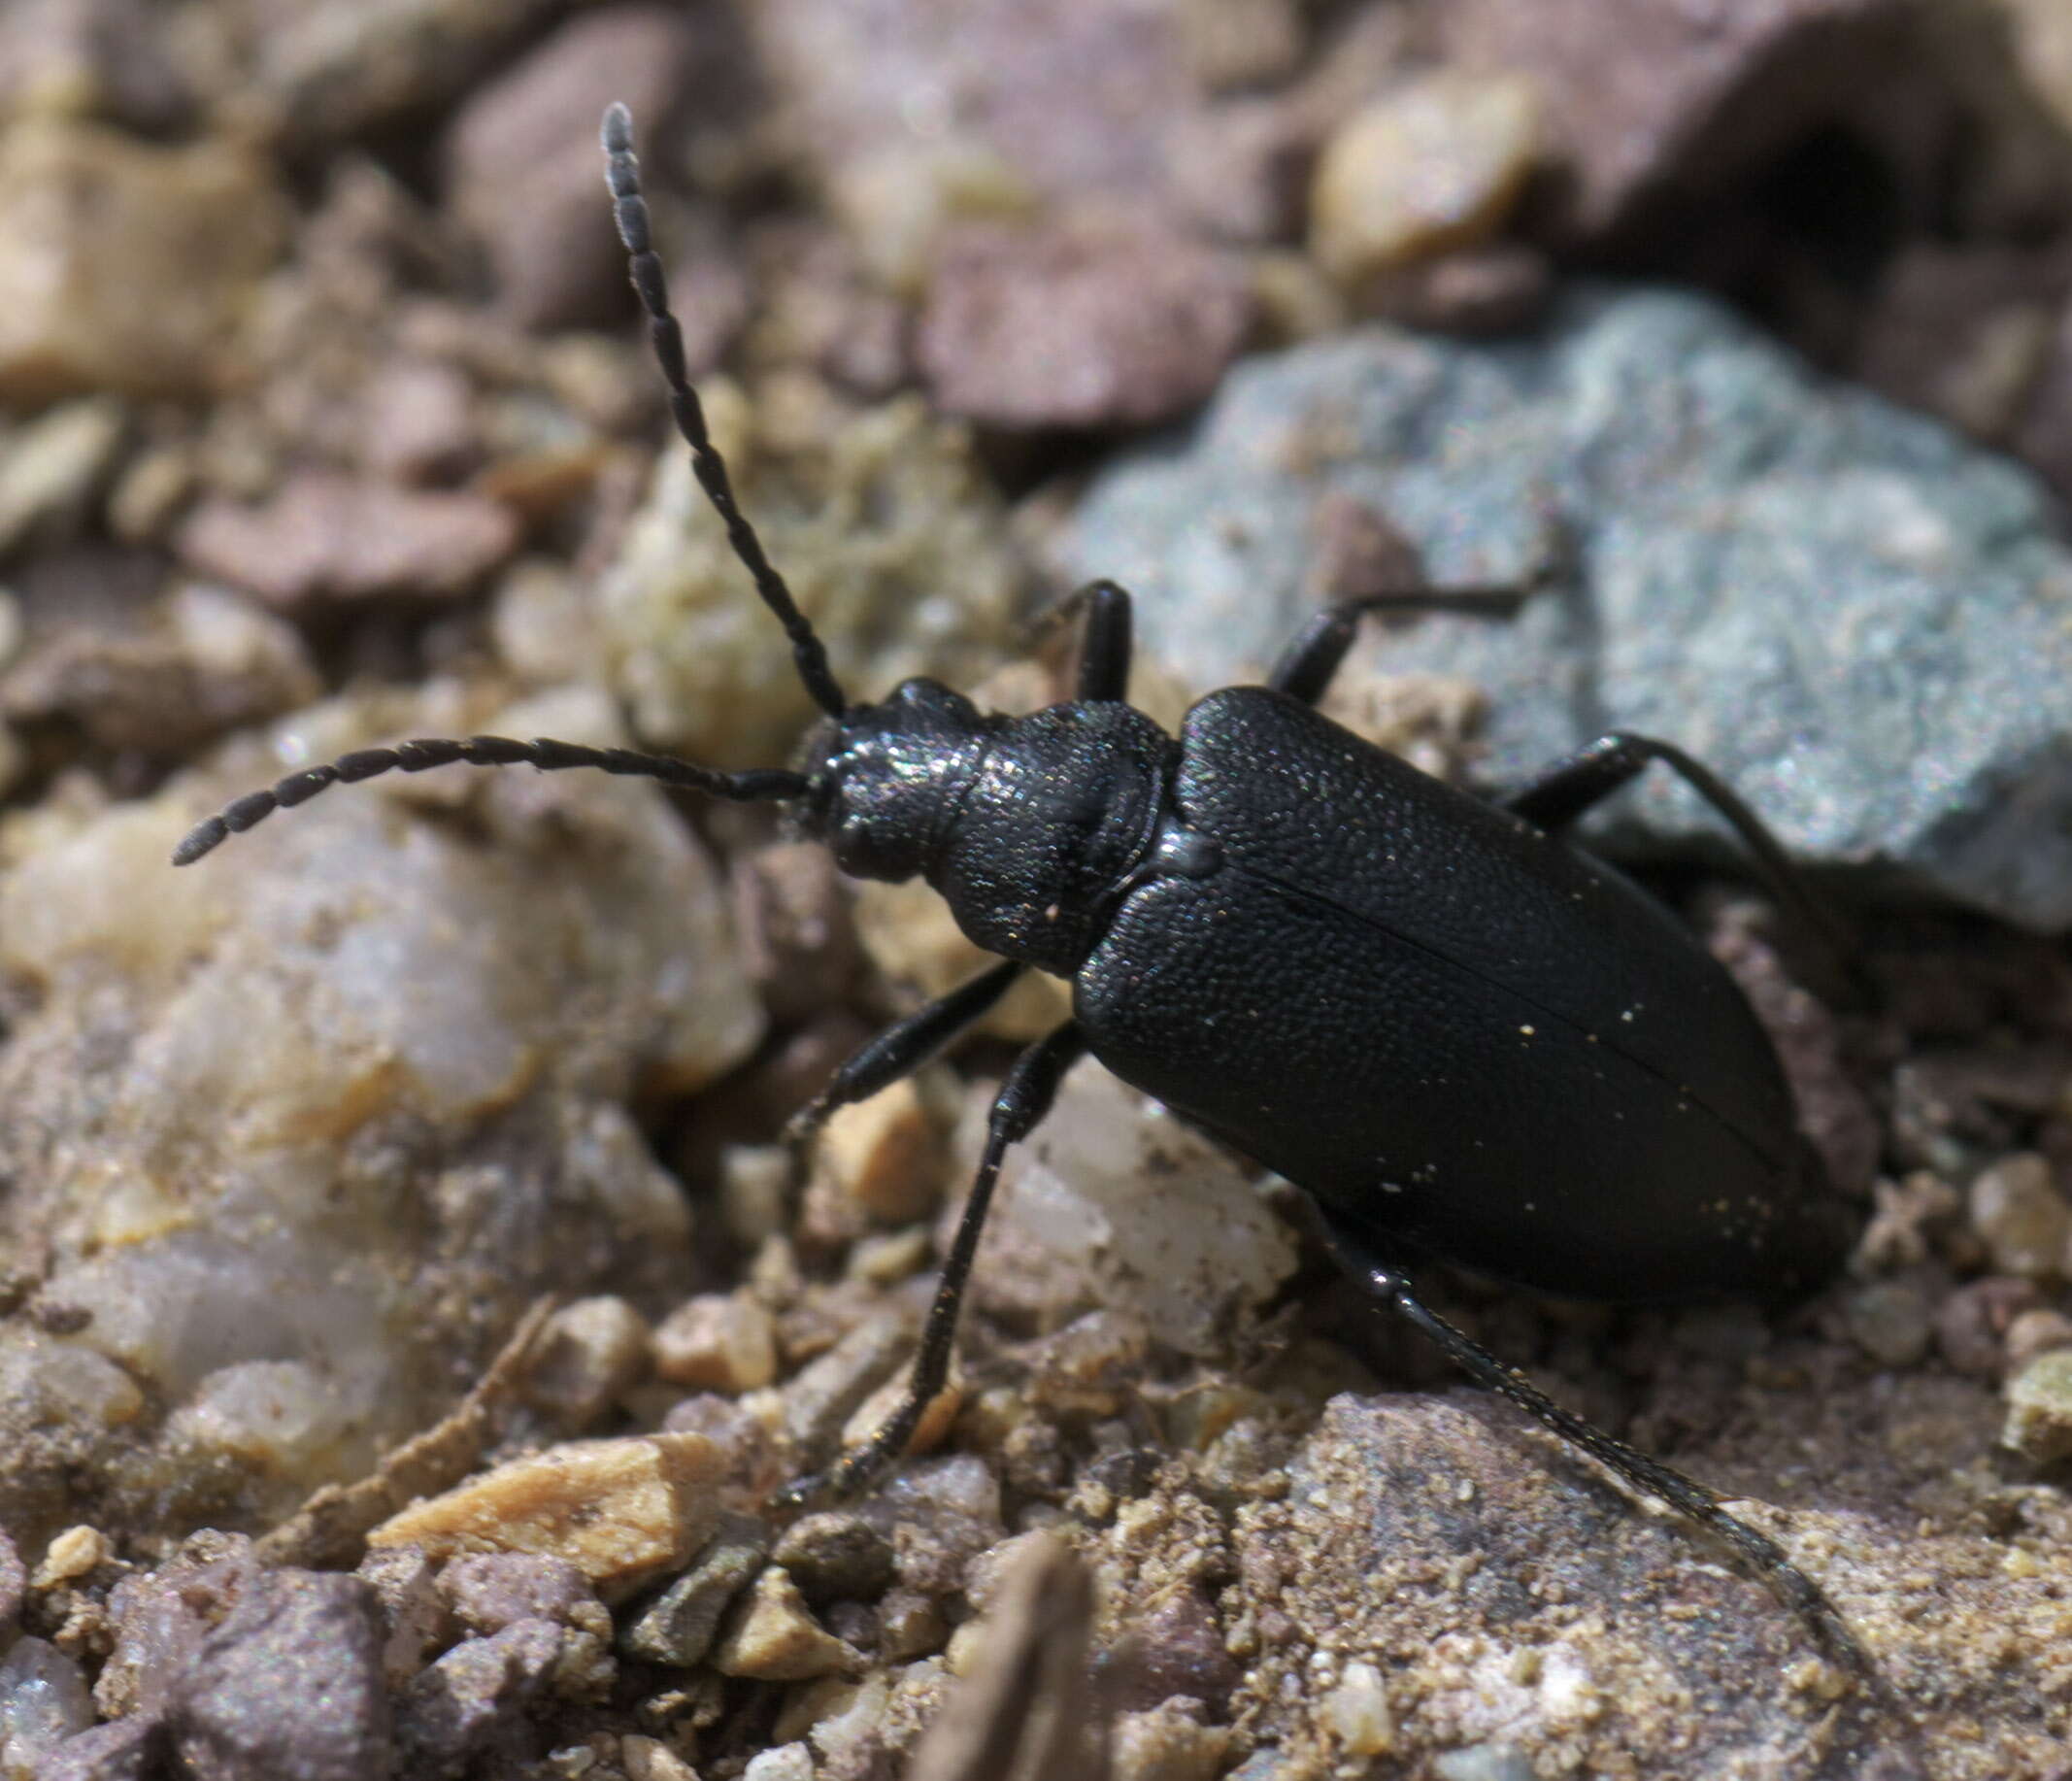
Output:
[[1465, 1038]]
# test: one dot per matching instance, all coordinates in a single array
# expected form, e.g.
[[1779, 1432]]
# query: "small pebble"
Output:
[[590, 1353], [2020, 1217], [774, 1639], [490, 1590], [1890, 1322], [678, 1626], [718, 1342], [70, 1556], [649, 1758], [2035, 1333], [2039, 1408], [1972, 1322], [886, 1155], [1167, 1743], [835, 1554], [1356, 1709], [787, 1762], [1433, 166], [416, 1616], [620, 1511], [42, 1700]]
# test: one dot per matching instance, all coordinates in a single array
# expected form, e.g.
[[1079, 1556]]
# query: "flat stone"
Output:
[[619, 1511], [678, 1627], [1850, 613], [324, 536]]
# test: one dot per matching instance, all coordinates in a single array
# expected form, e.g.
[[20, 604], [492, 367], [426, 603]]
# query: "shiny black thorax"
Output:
[[1473, 1037]]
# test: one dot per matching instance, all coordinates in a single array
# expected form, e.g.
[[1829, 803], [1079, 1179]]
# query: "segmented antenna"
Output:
[[622, 175], [760, 784]]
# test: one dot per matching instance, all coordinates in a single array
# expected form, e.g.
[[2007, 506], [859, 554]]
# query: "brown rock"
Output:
[[620, 1511], [417, 421], [719, 1342], [327, 536], [473, 1693], [522, 158], [1972, 1324], [588, 1354], [490, 1591], [1964, 332], [1085, 325], [245, 1704], [200, 663], [1644, 99], [123, 266]]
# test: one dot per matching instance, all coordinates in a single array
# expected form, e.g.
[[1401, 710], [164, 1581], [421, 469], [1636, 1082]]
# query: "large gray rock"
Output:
[[1856, 617]]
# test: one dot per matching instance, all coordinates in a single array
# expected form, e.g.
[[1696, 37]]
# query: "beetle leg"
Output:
[[1570, 787], [902, 1048], [1352, 1251], [1023, 1100], [1308, 664], [1104, 645]]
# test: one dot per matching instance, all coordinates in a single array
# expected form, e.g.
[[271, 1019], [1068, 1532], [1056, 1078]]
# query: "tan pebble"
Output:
[[2039, 1408], [2020, 1217], [934, 1422], [1165, 1744], [620, 1511], [809, 1703], [590, 1352], [886, 1155], [649, 1758], [774, 1638], [1433, 166], [1357, 1712], [70, 1556], [718, 1342], [2034, 1332], [885, 1257], [965, 1647]]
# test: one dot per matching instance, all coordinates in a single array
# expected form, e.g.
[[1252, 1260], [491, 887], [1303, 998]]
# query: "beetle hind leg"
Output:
[[1571, 787], [1382, 1281]]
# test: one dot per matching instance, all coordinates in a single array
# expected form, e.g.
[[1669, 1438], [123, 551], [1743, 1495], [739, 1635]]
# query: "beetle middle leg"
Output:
[[1023, 1100], [1310, 663], [1381, 1280]]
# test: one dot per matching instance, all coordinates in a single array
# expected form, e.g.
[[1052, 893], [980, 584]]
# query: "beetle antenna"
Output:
[[622, 175], [762, 785]]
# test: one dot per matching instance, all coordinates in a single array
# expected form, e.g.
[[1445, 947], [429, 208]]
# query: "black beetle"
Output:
[[1466, 1038]]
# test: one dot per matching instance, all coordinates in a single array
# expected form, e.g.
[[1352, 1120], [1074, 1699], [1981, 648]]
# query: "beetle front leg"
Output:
[[1024, 1098], [1310, 663], [901, 1049], [1382, 1281]]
